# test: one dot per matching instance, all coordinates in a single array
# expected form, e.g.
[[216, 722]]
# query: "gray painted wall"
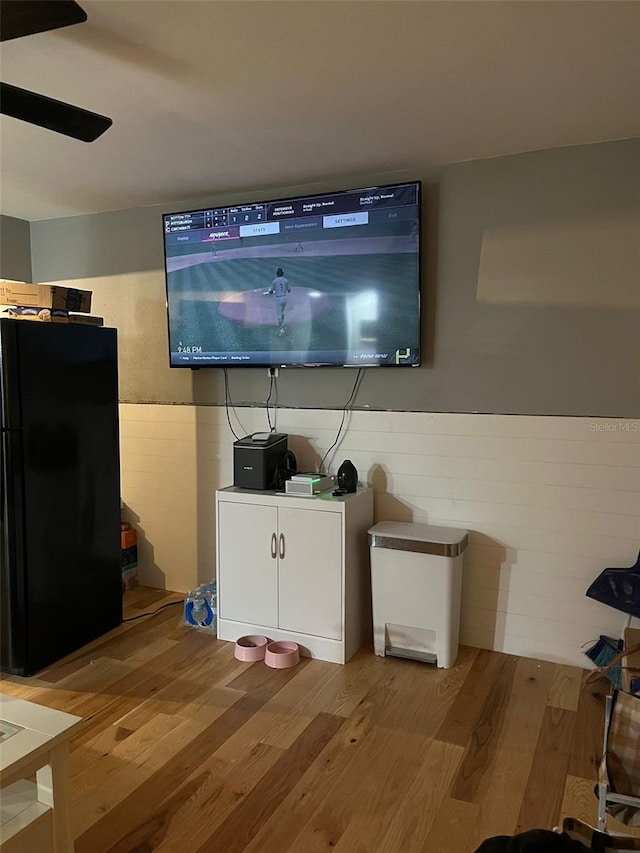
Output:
[[530, 292], [15, 249]]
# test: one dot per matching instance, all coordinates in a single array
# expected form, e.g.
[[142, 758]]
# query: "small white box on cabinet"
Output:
[[294, 568]]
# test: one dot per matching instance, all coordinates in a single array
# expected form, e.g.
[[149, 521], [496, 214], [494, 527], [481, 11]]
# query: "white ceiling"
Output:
[[222, 96]]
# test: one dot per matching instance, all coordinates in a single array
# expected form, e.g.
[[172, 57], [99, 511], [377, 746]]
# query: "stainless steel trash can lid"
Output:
[[421, 538]]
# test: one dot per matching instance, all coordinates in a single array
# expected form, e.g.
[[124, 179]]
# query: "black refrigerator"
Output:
[[60, 563]]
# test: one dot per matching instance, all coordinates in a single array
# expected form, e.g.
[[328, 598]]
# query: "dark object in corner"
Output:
[[347, 477], [619, 588], [534, 841]]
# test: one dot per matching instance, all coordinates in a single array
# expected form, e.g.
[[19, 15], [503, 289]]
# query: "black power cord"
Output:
[[227, 402], [273, 390], [345, 408], [153, 612]]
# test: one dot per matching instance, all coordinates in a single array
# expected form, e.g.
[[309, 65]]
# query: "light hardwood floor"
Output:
[[183, 748]]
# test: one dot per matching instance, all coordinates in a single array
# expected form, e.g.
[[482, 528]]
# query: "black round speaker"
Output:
[[347, 477]]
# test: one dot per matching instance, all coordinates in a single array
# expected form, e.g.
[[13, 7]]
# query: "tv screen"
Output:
[[331, 279]]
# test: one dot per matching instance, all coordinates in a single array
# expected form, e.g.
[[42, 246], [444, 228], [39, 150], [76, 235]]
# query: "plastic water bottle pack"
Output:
[[200, 607]]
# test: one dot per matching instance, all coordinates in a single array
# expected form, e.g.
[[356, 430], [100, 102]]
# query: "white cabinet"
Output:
[[247, 562], [310, 573], [295, 569]]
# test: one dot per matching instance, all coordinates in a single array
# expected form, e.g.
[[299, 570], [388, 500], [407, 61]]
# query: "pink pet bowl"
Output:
[[250, 648], [282, 654]]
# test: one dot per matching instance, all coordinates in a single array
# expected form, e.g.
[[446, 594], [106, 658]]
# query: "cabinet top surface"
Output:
[[325, 501]]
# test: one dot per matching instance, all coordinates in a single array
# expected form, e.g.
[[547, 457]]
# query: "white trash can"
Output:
[[416, 584]]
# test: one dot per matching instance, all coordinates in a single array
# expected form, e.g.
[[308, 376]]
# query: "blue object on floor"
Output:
[[200, 607]]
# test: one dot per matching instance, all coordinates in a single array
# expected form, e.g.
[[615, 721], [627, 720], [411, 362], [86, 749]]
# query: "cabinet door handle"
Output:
[[273, 546], [282, 546]]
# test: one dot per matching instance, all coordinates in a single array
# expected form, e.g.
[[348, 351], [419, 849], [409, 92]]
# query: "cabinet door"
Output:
[[310, 572], [248, 567]]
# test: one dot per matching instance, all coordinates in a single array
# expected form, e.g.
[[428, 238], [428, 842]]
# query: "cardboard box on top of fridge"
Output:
[[26, 312], [44, 296], [49, 315], [86, 319]]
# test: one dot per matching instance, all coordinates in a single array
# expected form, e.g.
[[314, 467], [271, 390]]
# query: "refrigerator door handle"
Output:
[[3, 480], [13, 616], [4, 468], [3, 484]]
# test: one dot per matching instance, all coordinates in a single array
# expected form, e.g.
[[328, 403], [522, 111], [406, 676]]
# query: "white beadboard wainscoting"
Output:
[[549, 502]]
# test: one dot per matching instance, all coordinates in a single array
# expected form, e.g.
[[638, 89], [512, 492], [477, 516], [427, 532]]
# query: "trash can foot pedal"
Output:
[[411, 654]]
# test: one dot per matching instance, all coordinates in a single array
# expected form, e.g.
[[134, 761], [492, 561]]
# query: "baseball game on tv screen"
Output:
[[331, 279]]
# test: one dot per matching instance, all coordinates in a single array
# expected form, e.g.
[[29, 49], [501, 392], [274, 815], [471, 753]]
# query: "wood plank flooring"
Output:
[[183, 748]]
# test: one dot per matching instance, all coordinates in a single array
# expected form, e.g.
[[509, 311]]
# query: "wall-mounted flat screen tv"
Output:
[[331, 279]]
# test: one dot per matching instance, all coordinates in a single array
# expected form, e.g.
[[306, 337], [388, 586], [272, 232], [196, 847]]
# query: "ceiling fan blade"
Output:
[[51, 114], [26, 17]]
